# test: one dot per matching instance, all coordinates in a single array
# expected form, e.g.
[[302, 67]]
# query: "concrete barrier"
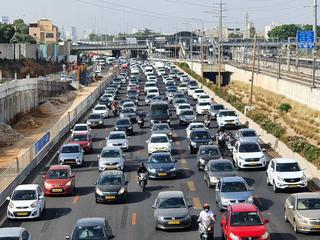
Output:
[[31, 157], [311, 171]]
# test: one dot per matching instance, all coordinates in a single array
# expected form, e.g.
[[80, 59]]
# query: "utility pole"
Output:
[[279, 61], [253, 66], [201, 52], [219, 43], [314, 52]]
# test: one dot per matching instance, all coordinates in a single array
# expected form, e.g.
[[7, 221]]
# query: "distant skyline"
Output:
[[166, 16]]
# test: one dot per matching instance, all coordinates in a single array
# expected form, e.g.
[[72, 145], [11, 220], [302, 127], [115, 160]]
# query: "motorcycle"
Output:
[[230, 141], [206, 229], [115, 111], [142, 179], [221, 138], [207, 120], [140, 122]]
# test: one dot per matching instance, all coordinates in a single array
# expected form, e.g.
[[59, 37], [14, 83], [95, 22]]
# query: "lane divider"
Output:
[[76, 199], [191, 186], [134, 219], [197, 203]]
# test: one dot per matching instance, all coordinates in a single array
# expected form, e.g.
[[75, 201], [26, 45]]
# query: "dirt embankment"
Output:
[[28, 66]]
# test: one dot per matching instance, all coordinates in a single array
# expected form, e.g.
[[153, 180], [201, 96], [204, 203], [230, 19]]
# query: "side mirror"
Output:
[[128, 137], [154, 206], [264, 150], [67, 237], [290, 207], [266, 220], [44, 176], [206, 168], [8, 198], [223, 221]]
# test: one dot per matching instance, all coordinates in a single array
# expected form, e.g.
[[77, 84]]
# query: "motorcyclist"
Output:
[[207, 117], [141, 169], [206, 213], [141, 117], [115, 107]]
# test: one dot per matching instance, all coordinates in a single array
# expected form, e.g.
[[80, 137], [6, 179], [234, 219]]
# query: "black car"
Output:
[[95, 120], [111, 186], [199, 137], [134, 98], [207, 153], [91, 228], [124, 124], [162, 165], [105, 101]]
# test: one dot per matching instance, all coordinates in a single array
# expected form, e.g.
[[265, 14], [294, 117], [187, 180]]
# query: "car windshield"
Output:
[[58, 174], [79, 138], [112, 153], [150, 96], [288, 167], [100, 108], [174, 202], [308, 204], [117, 136], [181, 100], [80, 128], [110, 180], [221, 167], [10, 238], [24, 195], [204, 96], [248, 134], [204, 104], [245, 219], [217, 107], [196, 126], [228, 114], [184, 107], [161, 159], [94, 116], [160, 127], [198, 91], [249, 147], [187, 113], [90, 232], [159, 139], [123, 122], [70, 149], [127, 110], [200, 135], [234, 187], [132, 92], [128, 105], [209, 151], [152, 91], [159, 111]]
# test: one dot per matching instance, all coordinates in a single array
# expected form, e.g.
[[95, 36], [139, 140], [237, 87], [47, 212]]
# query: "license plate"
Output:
[[174, 222], [110, 197], [293, 185], [162, 174], [22, 213], [110, 167], [57, 190], [68, 161]]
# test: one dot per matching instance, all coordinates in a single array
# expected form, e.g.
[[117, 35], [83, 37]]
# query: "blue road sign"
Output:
[[306, 39], [42, 142]]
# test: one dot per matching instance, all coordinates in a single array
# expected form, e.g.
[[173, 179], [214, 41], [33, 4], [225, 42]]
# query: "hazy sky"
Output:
[[113, 16]]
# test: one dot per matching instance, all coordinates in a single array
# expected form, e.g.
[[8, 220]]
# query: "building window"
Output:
[[42, 36], [49, 35]]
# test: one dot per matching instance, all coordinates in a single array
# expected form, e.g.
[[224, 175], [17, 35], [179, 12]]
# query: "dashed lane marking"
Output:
[[196, 203], [76, 199], [191, 186], [134, 219]]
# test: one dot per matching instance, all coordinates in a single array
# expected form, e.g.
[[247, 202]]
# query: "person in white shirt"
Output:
[[206, 213]]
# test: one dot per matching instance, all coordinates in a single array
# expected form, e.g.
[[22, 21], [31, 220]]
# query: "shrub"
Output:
[[285, 107]]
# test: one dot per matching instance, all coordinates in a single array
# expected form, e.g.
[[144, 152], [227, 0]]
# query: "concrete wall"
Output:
[[295, 91], [22, 95]]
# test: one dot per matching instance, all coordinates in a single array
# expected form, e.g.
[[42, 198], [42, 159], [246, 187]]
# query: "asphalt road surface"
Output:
[[134, 220]]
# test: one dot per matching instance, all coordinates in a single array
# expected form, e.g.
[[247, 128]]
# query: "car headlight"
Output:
[[98, 191], [11, 205], [303, 219], [193, 143], [202, 161], [280, 178], [68, 184], [233, 237], [213, 179], [35, 204], [250, 199], [265, 235], [47, 185], [151, 169], [172, 169], [121, 191], [224, 200], [100, 122]]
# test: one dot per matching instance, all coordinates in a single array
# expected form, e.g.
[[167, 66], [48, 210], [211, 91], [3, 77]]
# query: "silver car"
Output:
[[71, 153], [15, 233], [247, 134], [230, 190], [161, 128], [171, 210], [217, 169], [215, 108], [186, 117], [118, 139], [111, 158]]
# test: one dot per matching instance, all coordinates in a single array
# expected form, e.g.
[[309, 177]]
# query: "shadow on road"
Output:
[[135, 197], [286, 236], [263, 204], [54, 213]]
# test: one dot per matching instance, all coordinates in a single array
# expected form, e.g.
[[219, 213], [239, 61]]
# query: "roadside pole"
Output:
[[253, 66], [314, 51]]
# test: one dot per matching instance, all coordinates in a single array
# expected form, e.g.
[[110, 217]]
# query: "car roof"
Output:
[[83, 124], [248, 142], [232, 179], [11, 231], [27, 187], [158, 135], [112, 172], [246, 130], [117, 132], [79, 133], [219, 161], [160, 154], [167, 194], [208, 146], [285, 160], [200, 130], [243, 207], [90, 222], [71, 145], [226, 110], [111, 148], [307, 195], [56, 167]]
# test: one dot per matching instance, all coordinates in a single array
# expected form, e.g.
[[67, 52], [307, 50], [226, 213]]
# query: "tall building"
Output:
[[74, 33], [44, 31], [268, 28], [5, 19]]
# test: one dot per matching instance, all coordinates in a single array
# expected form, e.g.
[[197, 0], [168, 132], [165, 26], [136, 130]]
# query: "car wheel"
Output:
[[208, 184], [295, 227], [274, 187], [285, 215]]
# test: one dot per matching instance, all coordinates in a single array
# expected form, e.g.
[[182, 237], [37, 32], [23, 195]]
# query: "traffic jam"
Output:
[[157, 100]]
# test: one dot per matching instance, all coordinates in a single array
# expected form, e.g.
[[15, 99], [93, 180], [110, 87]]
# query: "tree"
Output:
[[93, 37], [235, 35], [6, 32], [20, 26], [22, 38], [283, 32]]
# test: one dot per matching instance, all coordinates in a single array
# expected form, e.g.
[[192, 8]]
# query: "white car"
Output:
[[248, 155], [285, 173], [183, 87], [110, 96], [149, 85], [227, 118], [154, 91], [183, 77], [197, 92], [159, 142], [191, 90], [183, 106], [81, 128], [129, 105], [161, 71], [204, 98], [26, 201], [101, 109], [118, 139], [203, 107], [152, 78], [193, 126]]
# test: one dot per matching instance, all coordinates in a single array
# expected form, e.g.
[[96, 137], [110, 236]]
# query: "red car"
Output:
[[84, 139], [244, 221], [59, 180]]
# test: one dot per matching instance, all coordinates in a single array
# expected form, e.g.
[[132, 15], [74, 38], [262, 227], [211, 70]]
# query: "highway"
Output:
[[134, 220]]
